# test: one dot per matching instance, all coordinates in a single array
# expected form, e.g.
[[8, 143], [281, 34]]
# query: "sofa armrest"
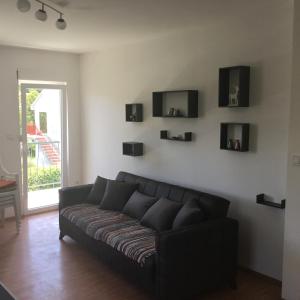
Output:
[[73, 195], [196, 258]]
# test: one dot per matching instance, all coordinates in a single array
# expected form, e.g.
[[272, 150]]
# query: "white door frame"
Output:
[[64, 142]]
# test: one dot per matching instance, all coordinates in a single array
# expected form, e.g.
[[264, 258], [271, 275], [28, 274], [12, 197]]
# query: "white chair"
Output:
[[9, 194]]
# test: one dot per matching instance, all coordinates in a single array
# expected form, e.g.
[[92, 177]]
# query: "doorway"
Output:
[[42, 110]]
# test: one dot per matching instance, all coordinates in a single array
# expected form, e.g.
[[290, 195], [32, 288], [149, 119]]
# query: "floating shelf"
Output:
[[234, 86], [260, 199], [134, 112], [234, 136], [133, 148], [186, 138], [183, 102]]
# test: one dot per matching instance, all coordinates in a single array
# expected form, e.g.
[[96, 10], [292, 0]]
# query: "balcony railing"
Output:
[[44, 165]]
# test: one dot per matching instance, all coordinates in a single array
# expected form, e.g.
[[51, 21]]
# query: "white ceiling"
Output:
[[95, 24]]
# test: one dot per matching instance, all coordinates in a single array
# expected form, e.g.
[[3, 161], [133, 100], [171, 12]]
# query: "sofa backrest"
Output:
[[213, 206]]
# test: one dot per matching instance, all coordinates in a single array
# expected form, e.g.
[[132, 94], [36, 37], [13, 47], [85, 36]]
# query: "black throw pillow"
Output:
[[189, 214], [117, 194], [138, 204], [160, 216], [97, 192]]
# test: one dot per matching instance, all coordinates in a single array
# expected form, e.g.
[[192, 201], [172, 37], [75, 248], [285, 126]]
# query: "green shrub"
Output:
[[45, 178]]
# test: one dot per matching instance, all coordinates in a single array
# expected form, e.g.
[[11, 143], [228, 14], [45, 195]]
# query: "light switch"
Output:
[[296, 160]]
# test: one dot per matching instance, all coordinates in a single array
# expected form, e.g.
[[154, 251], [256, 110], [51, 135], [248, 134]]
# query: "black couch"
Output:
[[187, 261]]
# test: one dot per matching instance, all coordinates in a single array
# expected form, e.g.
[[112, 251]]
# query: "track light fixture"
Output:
[[41, 14]]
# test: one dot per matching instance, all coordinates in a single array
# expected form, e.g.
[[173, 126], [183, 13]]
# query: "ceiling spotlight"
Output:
[[23, 5], [61, 23], [41, 14]]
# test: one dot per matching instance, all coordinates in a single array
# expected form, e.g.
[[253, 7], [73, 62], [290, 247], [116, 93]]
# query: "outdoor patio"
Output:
[[42, 198]]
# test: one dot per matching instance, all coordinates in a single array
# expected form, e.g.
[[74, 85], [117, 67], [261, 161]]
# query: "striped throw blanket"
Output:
[[115, 229]]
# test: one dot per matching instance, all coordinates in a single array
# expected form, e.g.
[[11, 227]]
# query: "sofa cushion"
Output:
[[189, 214], [116, 229], [213, 206], [138, 204], [7, 185], [97, 192], [117, 194], [160, 216]]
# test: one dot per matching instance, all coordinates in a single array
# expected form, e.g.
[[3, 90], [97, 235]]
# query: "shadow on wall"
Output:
[[256, 84], [253, 138], [250, 240]]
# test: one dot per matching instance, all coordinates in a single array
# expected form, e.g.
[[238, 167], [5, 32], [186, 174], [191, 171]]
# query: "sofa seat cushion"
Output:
[[115, 229]]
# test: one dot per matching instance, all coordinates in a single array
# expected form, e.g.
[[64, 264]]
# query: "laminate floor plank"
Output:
[[35, 265]]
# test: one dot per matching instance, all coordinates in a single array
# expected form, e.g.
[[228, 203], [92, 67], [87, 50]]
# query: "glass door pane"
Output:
[[42, 159]]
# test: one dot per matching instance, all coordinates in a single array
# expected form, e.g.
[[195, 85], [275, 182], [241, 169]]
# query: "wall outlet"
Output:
[[296, 160]]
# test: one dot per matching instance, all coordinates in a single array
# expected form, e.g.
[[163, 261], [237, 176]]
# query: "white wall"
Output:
[[112, 78], [291, 262], [37, 65]]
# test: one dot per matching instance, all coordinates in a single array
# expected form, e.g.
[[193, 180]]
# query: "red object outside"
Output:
[[33, 130]]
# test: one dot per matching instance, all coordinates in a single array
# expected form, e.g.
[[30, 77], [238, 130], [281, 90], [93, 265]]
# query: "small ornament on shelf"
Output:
[[132, 117], [237, 145], [234, 96], [230, 144], [171, 111], [177, 113]]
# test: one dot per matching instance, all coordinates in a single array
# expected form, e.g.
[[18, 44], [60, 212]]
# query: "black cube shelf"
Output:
[[234, 86], [134, 112], [175, 104], [133, 149], [187, 137], [234, 136]]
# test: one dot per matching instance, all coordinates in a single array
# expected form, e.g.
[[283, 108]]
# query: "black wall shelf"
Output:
[[234, 136], [234, 86], [134, 112], [185, 103], [260, 199], [133, 148], [187, 137]]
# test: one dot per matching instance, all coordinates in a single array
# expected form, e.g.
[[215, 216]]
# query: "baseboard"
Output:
[[33, 212], [265, 277], [41, 210]]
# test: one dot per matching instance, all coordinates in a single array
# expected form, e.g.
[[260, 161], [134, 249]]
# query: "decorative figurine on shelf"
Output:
[[171, 112], [234, 96], [230, 144], [176, 113], [132, 117], [237, 145]]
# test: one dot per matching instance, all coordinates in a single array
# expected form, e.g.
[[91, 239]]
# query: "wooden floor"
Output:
[[37, 266]]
